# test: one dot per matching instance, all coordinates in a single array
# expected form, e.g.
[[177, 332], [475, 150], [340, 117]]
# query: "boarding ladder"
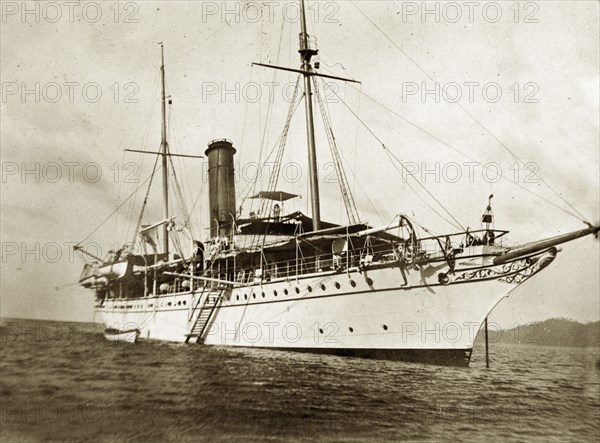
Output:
[[205, 315]]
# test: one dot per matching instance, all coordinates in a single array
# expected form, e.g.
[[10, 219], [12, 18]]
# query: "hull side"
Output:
[[357, 313]]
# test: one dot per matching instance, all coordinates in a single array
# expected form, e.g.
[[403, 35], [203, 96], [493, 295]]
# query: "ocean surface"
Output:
[[64, 382]]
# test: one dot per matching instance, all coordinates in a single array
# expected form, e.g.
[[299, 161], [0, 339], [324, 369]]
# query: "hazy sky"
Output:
[[80, 84]]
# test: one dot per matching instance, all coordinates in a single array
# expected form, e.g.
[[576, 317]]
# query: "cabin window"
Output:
[[369, 281], [245, 296], [169, 304], [323, 287], [285, 291], [385, 328], [309, 288], [337, 285], [253, 295], [263, 295], [353, 283], [351, 329], [297, 290], [275, 293], [237, 297]]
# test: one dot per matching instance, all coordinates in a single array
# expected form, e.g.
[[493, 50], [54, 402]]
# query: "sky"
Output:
[[496, 98]]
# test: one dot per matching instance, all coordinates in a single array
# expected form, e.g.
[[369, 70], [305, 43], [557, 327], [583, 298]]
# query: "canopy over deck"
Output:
[[279, 196]]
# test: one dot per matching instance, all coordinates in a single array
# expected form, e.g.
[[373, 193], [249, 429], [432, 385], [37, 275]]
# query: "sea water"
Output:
[[64, 382]]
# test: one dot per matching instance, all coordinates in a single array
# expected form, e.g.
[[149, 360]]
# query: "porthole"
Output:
[[184, 303], [237, 297], [285, 291], [351, 329], [169, 304], [263, 295], [353, 283], [297, 290], [323, 287], [275, 293], [385, 328], [337, 285], [321, 331], [178, 303], [369, 281], [309, 288], [253, 295], [245, 296]]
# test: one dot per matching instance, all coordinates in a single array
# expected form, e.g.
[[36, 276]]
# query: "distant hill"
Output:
[[553, 332]]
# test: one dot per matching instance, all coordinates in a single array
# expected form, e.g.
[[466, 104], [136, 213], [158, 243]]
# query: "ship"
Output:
[[293, 282]]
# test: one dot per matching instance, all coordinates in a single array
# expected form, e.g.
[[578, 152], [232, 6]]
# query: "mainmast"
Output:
[[164, 149], [306, 53]]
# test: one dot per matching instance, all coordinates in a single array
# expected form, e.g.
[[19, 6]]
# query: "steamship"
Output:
[[287, 281]]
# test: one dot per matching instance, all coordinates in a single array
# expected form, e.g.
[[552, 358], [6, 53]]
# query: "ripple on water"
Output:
[[157, 391]]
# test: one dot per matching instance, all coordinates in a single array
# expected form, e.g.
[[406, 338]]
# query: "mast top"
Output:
[[308, 44]]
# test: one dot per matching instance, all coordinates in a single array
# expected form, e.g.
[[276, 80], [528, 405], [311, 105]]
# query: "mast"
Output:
[[306, 54], [164, 149]]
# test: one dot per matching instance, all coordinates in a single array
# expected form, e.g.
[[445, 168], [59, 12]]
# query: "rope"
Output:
[[139, 223], [113, 213], [347, 197], [274, 178], [392, 156], [510, 151], [263, 140], [180, 200], [439, 140]]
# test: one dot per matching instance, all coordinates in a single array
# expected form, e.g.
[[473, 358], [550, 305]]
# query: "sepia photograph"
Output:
[[299, 220]]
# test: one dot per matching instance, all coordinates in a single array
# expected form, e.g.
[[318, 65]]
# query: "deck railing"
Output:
[[405, 251]]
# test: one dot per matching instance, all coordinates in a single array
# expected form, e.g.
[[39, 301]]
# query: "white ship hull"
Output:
[[374, 313]]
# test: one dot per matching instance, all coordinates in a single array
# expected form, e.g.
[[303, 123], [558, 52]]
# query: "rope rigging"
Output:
[[180, 199], [467, 156], [347, 196], [250, 187], [116, 209], [139, 222], [274, 178], [579, 215], [264, 135], [396, 161]]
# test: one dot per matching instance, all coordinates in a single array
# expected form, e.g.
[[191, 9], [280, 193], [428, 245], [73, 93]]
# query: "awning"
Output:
[[279, 196]]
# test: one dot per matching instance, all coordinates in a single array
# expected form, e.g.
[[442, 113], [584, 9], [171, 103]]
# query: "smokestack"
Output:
[[221, 187]]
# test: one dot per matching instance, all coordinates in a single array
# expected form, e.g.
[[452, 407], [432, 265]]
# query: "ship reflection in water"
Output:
[[64, 381]]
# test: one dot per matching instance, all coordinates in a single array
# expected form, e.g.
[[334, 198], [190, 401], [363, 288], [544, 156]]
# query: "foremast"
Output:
[[306, 53]]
